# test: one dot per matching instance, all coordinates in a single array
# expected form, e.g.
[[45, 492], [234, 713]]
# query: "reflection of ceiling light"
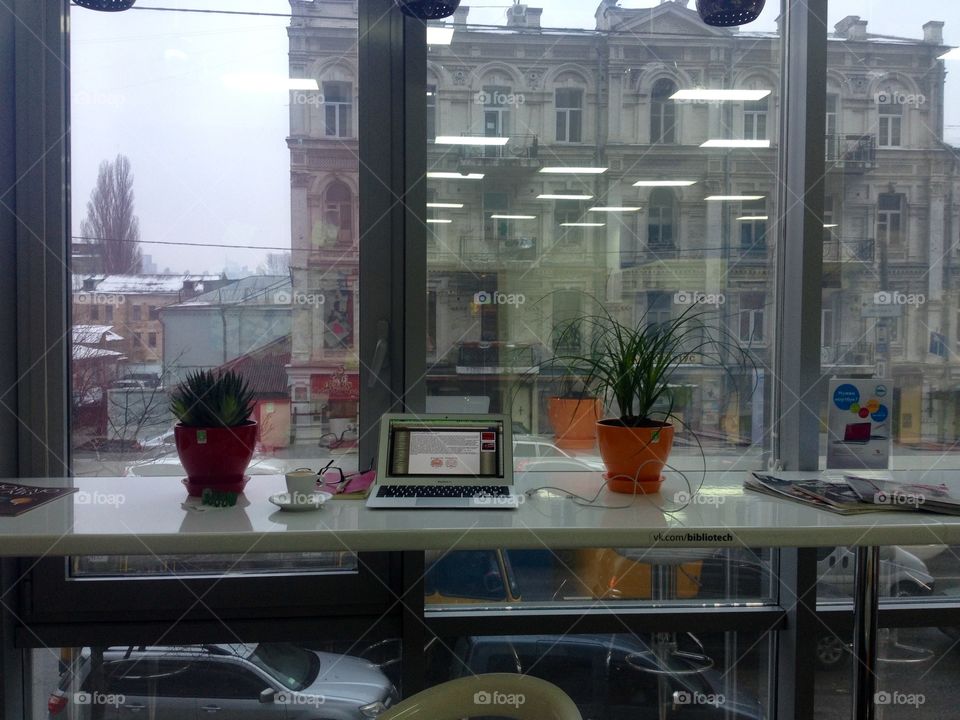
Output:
[[467, 140], [953, 54], [454, 176], [724, 143], [664, 183], [830, 225], [718, 94], [450, 206], [302, 84], [439, 35], [266, 82], [611, 208], [439, 221], [564, 197], [583, 224], [734, 197], [573, 170], [514, 217], [752, 217]]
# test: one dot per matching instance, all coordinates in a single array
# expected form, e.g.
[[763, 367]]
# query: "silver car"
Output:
[[265, 681]]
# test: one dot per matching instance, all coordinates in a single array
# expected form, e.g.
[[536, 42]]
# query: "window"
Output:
[[431, 112], [94, 312], [751, 317], [660, 219], [889, 220], [753, 226], [138, 339], [108, 309], [568, 216], [136, 313], [663, 113], [569, 102], [339, 212], [338, 109], [496, 110], [153, 312], [833, 102], [755, 119], [659, 308], [152, 339], [889, 119]]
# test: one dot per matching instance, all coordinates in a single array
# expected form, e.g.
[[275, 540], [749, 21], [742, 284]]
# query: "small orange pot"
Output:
[[636, 452], [575, 421]]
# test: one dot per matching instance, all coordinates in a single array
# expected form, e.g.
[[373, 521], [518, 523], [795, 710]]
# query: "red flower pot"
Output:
[[215, 458]]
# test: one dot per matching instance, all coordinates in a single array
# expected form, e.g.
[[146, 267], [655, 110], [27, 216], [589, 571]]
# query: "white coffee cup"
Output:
[[301, 484]]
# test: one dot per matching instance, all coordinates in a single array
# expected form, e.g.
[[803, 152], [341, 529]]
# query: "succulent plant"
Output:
[[208, 399]]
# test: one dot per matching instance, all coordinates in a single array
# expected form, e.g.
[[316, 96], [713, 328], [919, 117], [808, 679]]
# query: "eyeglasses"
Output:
[[344, 478]]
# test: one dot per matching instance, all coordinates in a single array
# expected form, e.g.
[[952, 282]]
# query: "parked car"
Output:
[[260, 682], [610, 677], [530, 452]]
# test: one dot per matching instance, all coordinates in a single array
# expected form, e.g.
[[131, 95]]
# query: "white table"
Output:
[[133, 515]]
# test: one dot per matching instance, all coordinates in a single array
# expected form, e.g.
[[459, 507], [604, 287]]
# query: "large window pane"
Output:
[[590, 194]]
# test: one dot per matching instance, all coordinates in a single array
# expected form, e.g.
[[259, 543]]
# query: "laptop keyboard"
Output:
[[442, 491]]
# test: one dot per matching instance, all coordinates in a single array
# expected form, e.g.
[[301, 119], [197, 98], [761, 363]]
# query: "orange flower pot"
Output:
[[575, 421], [634, 452]]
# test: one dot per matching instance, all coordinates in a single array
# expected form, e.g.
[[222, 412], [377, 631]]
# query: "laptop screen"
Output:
[[448, 447]]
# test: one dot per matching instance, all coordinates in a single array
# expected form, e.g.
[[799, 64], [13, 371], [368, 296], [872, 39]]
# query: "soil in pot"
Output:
[[574, 421], [634, 452]]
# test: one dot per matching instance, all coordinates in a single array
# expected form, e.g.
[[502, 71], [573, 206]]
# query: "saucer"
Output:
[[313, 501]]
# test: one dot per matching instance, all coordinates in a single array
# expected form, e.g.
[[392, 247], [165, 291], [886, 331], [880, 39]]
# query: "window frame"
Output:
[[662, 111], [567, 113]]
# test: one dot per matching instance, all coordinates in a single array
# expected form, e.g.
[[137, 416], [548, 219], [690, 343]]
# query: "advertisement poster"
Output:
[[859, 417]]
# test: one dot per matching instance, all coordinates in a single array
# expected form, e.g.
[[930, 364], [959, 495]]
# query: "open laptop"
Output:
[[444, 461]]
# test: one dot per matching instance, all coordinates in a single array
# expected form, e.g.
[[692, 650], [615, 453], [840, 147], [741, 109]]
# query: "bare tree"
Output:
[[276, 264], [110, 221]]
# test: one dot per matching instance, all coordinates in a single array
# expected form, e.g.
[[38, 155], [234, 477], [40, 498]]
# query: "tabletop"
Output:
[[123, 515]]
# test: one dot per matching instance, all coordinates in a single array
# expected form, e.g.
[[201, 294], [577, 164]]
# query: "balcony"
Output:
[[520, 153], [848, 355], [851, 153], [846, 250], [497, 252]]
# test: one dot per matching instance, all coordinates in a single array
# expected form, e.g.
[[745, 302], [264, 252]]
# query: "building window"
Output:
[[755, 119], [660, 219], [108, 310], [568, 211], [890, 121], [431, 113], [890, 220], [94, 312], [569, 102], [659, 308], [338, 213], [496, 112], [567, 309], [751, 317], [137, 339], [833, 102], [137, 310], [338, 109], [663, 118], [152, 339], [753, 226], [153, 312]]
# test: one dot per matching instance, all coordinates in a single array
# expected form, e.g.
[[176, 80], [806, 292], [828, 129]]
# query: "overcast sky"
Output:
[[171, 91]]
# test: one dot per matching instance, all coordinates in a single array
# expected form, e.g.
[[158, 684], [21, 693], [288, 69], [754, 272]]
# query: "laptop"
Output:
[[857, 433], [444, 461]]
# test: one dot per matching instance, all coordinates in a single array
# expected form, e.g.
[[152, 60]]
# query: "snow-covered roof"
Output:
[[143, 284], [82, 352], [94, 334], [253, 290]]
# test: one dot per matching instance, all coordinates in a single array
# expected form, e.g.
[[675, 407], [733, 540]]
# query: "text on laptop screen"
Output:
[[427, 449]]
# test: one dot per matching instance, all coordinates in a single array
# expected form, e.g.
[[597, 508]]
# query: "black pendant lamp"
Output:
[[105, 5], [428, 9], [725, 13]]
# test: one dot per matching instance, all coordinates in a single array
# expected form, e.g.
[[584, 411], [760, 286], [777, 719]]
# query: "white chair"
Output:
[[505, 695]]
